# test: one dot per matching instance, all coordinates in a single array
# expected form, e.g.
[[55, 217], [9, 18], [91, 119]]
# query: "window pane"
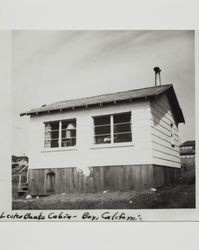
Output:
[[54, 143], [102, 120], [106, 129], [68, 134], [102, 129], [122, 118], [123, 137], [51, 135], [122, 127], [99, 139]]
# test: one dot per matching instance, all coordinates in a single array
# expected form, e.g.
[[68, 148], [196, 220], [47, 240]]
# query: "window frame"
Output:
[[112, 143], [60, 147]]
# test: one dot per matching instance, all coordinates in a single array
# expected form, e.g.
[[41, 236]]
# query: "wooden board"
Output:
[[106, 178]]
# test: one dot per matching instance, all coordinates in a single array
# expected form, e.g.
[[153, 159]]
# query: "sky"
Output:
[[50, 66]]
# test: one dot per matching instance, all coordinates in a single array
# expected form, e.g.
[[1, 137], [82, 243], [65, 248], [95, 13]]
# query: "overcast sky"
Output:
[[50, 66]]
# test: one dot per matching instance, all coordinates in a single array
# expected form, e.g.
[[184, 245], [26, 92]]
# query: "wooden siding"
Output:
[[163, 153], [163, 175], [109, 178]]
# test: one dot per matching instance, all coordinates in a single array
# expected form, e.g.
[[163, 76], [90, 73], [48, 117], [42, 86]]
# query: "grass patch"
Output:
[[172, 196]]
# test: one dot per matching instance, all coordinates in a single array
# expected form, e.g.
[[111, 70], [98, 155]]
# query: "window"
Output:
[[122, 127], [172, 136], [68, 134], [51, 135], [112, 128], [102, 128], [187, 147], [189, 156], [60, 134]]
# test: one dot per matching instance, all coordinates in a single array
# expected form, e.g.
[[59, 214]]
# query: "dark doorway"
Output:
[[50, 183]]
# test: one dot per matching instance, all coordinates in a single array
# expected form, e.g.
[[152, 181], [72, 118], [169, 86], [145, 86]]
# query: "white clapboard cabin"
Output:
[[116, 142]]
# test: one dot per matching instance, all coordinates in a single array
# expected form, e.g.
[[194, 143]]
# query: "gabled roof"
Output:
[[113, 98]]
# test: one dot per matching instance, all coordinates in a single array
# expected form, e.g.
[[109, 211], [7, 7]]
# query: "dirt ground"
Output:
[[172, 196]]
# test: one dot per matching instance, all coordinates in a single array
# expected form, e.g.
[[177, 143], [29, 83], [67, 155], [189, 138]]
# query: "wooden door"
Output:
[[50, 183]]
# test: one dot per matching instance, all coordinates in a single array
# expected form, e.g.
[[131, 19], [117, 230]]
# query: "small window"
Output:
[[172, 136], [112, 128], [60, 134]]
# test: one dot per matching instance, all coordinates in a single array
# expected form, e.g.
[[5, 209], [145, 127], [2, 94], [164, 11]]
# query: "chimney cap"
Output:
[[157, 70]]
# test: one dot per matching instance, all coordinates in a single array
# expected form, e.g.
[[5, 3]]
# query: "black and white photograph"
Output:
[[99, 124], [103, 119]]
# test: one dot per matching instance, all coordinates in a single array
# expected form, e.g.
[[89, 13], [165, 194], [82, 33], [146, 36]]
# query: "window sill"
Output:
[[46, 150], [116, 145]]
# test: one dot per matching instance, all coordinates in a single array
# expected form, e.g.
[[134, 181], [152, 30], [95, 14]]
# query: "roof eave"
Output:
[[178, 111], [36, 112], [170, 91]]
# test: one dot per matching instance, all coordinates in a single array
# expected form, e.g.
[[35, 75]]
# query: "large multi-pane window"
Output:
[[60, 134], [115, 128]]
